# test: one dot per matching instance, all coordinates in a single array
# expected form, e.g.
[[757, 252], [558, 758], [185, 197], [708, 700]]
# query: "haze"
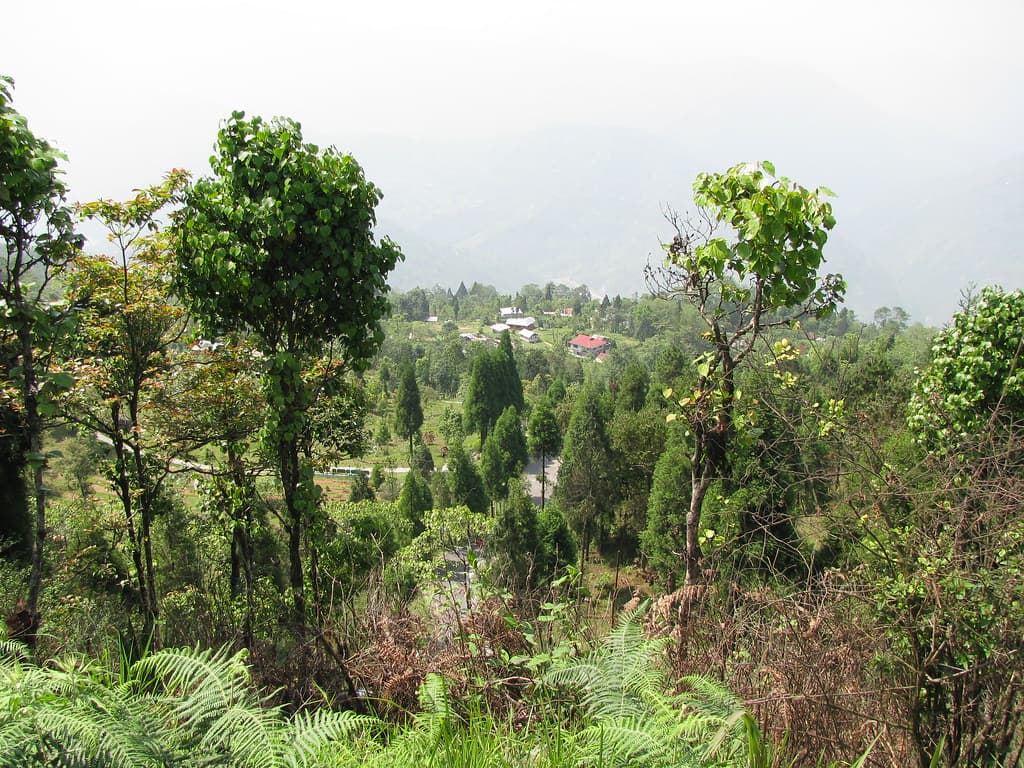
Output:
[[535, 141]]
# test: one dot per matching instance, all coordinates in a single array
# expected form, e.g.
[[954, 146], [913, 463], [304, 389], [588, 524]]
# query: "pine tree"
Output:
[[586, 488], [545, 438], [414, 500], [464, 479], [664, 538], [408, 411], [504, 454]]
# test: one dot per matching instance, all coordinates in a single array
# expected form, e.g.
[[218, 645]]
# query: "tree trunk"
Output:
[[289, 456], [542, 479], [124, 491], [147, 494], [33, 422]]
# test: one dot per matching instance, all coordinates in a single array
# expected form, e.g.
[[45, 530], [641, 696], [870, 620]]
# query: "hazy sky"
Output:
[[131, 89]]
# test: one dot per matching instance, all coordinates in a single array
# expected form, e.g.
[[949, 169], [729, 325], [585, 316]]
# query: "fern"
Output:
[[631, 719], [173, 708]]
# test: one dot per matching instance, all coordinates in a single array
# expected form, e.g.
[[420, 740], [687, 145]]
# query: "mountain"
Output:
[[584, 204]]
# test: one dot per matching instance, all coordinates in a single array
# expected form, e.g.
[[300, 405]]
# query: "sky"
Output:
[[129, 90]]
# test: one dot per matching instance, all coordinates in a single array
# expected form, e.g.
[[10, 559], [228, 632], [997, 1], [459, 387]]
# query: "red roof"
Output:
[[589, 342]]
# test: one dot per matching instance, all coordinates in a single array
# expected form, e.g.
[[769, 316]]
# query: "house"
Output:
[[499, 328], [528, 335], [509, 311], [583, 345], [522, 323], [567, 312]]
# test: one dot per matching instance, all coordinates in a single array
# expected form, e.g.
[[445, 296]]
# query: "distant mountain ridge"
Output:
[[585, 205]]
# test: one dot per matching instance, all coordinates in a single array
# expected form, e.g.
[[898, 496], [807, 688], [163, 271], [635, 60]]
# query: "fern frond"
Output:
[[14, 650], [312, 734]]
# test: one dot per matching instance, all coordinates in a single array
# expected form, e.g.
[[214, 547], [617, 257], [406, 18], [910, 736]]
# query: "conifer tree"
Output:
[[586, 488], [408, 410], [504, 454]]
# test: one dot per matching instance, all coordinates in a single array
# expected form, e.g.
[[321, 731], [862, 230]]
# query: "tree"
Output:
[[765, 275], [975, 380], [515, 544], [494, 384], [586, 487], [269, 244], [414, 500], [38, 239], [446, 368], [504, 454], [481, 405], [464, 480], [408, 411], [360, 488], [632, 388], [422, 458], [664, 538], [120, 358], [512, 385], [545, 438]]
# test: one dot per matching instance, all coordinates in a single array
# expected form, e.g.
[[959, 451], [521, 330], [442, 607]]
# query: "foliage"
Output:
[[975, 375], [664, 537], [467, 487], [268, 244], [120, 357], [543, 437], [408, 411], [414, 500], [767, 276], [172, 707], [38, 239], [494, 385], [277, 234], [422, 458], [944, 565], [586, 479], [515, 548], [631, 720], [504, 454]]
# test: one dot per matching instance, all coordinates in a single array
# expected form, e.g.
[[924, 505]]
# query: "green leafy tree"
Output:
[[515, 544], [586, 477], [503, 455], [664, 537], [213, 399], [638, 440], [38, 238], [121, 359], [467, 487], [632, 388], [269, 244], [360, 488], [764, 274], [408, 410], [422, 459], [976, 377], [446, 368], [414, 500], [544, 438], [494, 384], [512, 385]]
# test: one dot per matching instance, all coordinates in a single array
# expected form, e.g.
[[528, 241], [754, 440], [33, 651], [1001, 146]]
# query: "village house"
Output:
[[583, 345], [522, 323]]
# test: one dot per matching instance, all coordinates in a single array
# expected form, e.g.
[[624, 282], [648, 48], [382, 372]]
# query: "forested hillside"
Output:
[[258, 508]]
